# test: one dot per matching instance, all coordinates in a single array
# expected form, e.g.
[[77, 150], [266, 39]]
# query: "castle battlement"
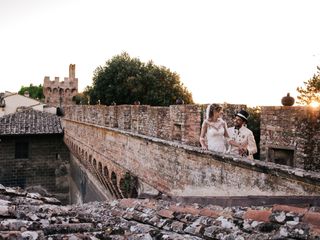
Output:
[[61, 93]]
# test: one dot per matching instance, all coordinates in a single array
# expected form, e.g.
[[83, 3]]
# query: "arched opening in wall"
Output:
[[106, 172], [74, 91], [94, 163], [82, 153], [48, 90], [61, 92], [67, 92], [90, 159], [100, 167], [114, 184], [86, 156], [79, 150], [55, 90], [129, 186]]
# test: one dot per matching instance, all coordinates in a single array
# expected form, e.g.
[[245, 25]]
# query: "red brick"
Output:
[[148, 203], [312, 218], [210, 213], [166, 213], [258, 215], [314, 231], [128, 203], [287, 208], [186, 209]]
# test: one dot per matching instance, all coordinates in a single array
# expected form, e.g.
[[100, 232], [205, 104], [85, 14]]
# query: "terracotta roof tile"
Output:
[[30, 122], [258, 215], [27, 215], [287, 208]]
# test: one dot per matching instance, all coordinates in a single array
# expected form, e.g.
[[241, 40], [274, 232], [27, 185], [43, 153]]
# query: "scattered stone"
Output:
[[33, 216]]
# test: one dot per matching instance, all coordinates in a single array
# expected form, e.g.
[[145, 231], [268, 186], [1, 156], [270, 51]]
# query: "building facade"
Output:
[[291, 136], [33, 154], [58, 94], [11, 102]]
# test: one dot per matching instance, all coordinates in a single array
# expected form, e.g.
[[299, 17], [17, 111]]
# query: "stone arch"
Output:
[[114, 180], [100, 167], [74, 91], [94, 163], [67, 91], [90, 159], [114, 185], [129, 186], [106, 172], [61, 91], [48, 90], [86, 156], [55, 90]]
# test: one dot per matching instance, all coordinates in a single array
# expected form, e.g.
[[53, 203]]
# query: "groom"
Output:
[[241, 138]]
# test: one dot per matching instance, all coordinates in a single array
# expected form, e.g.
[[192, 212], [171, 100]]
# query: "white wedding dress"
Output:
[[215, 135]]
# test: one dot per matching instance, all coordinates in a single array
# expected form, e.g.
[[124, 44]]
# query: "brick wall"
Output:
[[295, 130], [46, 166], [179, 169], [175, 123], [58, 92]]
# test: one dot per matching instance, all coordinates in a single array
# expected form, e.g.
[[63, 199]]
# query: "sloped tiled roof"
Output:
[[30, 122], [30, 215]]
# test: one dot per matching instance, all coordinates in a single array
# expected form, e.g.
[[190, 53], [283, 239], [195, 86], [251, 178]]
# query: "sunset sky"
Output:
[[237, 51]]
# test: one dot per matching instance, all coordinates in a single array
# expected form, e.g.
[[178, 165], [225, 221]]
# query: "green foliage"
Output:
[[125, 80], [311, 91], [81, 99], [35, 92], [254, 126], [84, 97], [129, 186]]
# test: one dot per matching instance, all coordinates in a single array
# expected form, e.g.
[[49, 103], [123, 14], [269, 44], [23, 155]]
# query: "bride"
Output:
[[214, 130]]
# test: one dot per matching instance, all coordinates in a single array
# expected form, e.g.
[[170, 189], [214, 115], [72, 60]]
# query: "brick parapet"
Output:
[[177, 122], [180, 169], [295, 129]]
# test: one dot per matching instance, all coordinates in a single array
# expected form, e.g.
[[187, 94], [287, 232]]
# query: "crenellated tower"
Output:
[[58, 93]]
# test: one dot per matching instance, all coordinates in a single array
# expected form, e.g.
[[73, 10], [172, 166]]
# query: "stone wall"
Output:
[[83, 186], [175, 123], [179, 169], [60, 93], [291, 135], [46, 166]]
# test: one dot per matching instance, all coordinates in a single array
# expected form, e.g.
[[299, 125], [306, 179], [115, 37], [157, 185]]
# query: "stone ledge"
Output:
[[256, 165]]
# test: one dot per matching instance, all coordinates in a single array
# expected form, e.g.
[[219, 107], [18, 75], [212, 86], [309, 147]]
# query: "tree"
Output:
[[311, 91], [124, 80], [35, 92], [80, 99]]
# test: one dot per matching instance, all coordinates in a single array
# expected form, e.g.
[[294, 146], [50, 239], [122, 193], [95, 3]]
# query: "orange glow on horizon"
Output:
[[314, 104]]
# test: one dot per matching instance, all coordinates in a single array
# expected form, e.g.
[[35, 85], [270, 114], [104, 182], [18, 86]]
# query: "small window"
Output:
[[22, 150]]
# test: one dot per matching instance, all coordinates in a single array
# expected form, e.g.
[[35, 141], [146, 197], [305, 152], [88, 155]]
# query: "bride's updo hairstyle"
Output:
[[214, 108]]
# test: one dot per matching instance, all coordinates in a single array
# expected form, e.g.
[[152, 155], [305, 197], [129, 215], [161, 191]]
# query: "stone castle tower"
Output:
[[58, 93]]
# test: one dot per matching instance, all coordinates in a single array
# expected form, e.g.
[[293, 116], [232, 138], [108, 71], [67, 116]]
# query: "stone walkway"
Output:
[[32, 216]]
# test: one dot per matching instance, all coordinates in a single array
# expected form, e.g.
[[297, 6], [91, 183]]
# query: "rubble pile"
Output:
[[26, 215]]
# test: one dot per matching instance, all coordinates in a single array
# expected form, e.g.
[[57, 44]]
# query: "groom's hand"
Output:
[[243, 151]]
